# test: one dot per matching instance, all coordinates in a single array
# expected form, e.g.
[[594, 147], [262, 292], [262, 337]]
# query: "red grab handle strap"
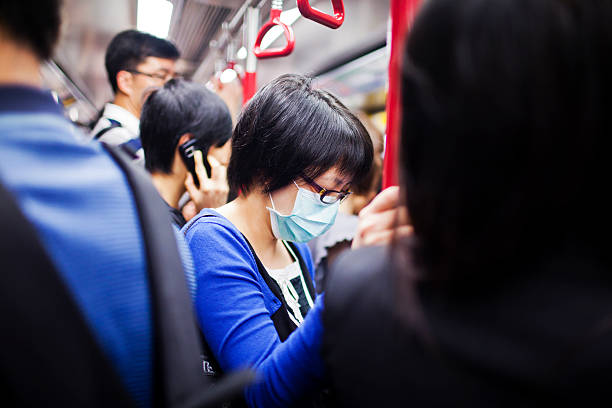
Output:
[[275, 52], [329, 20]]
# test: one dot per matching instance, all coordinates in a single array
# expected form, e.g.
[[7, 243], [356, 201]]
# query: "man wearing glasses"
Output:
[[135, 62]]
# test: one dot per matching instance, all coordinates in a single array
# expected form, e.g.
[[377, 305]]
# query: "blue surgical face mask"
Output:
[[309, 218]]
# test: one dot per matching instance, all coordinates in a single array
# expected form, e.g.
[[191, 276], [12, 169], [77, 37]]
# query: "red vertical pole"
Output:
[[249, 86], [402, 16]]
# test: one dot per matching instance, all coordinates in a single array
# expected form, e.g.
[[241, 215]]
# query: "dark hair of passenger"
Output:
[[507, 132], [33, 23], [291, 129], [130, 48], [177, 108], [373, 180]]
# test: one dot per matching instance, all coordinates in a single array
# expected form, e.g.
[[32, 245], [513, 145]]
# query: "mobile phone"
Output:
[[186, 151]]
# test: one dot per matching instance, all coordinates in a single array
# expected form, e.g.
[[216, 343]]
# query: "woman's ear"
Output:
[[125, 82]]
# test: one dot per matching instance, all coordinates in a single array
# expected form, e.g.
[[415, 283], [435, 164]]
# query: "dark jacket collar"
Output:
[[27, 99]]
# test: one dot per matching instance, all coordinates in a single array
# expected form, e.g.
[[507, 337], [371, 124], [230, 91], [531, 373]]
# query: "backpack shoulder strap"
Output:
[[131, 147], [46, 344], [113, 124], [177, 373]]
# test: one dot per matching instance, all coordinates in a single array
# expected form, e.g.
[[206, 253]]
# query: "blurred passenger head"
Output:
[[289, 130], [32, 23], [136, 61], [182, 110], [507, 131], [366, 189]]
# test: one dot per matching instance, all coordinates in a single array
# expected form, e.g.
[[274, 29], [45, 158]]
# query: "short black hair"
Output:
[[33, 23], [290, 129], [130, 48], [177, 108], [507, 132]]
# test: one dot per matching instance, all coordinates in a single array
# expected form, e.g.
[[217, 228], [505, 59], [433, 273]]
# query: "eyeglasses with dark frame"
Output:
[[162, 77], [327, 196]]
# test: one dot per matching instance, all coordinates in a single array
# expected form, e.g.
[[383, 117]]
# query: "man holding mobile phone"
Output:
[[185, 131]]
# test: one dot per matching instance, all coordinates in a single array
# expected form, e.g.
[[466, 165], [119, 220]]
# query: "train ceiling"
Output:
[[196, 28]]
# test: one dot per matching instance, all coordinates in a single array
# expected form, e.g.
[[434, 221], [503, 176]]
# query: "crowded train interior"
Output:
[[305, 203]]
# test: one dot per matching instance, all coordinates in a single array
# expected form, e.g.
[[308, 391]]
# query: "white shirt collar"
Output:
[[127, 120]]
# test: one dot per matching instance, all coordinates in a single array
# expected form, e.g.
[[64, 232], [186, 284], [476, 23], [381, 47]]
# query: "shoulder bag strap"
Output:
[[177, 372], [282, 322], [305, 270]]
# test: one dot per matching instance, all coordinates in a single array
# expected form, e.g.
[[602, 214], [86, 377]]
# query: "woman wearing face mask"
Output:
[[295, 152]]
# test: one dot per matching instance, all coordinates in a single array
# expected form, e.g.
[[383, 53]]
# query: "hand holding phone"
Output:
[[213, 189], [187, 151]]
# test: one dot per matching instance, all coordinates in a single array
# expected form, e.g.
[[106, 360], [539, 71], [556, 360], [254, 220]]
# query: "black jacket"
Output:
[[542, 337]]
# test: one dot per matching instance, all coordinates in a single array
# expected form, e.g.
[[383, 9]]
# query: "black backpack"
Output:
[[57, 362]]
